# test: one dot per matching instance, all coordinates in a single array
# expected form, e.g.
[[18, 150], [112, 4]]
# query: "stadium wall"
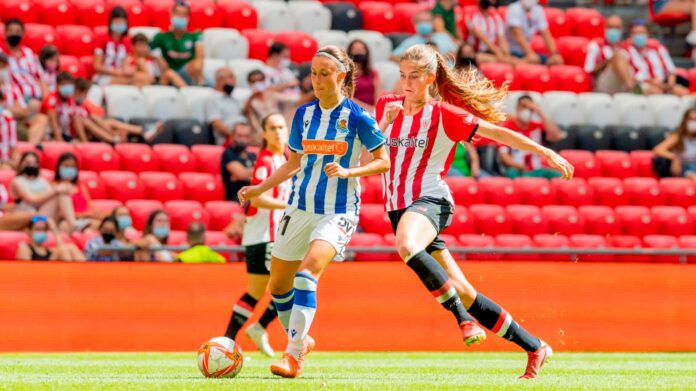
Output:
[[362, 306]]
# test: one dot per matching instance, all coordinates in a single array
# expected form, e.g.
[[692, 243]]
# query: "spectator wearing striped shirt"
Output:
[[606, 60], [487, 34], [110, 53], [49, 61], [524, 19]]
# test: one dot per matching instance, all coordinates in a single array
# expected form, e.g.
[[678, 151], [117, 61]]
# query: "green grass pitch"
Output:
[[374, 370]]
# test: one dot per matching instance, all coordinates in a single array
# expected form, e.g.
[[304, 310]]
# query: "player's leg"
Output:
[[257, 281]]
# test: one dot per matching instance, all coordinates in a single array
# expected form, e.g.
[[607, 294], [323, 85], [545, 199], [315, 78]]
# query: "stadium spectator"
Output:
[[76, 209], [680, 147], [522, 163], [237, 163], [671, 7], [278, 73], [524, 19], [181, 50], [24, 65], [264, 101], [221, 110], [607, 62], [33, 193], [122, 216], [108, 235], [199, 252], [487, 34], [36, 249], [64, 116], [111, 52], [423, 21], [155, 234], [11, 219], [465, 162], [466, 58], [9, 97], [306, 88], [653, 66], [147, 69], [445, 20], [367, 84], [49, 61]]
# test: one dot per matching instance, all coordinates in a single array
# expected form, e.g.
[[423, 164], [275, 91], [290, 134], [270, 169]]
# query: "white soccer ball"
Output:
[[220, 357]]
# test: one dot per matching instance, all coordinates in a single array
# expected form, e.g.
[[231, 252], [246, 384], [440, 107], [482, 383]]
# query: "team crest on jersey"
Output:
[[342, 125]]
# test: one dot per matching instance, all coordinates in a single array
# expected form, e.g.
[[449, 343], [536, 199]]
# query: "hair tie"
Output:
[[339, 64]]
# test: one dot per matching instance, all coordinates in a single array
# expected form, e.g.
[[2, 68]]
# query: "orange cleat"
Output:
[[536, 359], [472, 333], [308, 346], [288, 366]]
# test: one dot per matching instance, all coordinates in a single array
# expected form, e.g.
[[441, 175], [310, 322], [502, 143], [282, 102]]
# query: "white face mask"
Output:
[[524, 115], [285, 63], [691, 126], [528, 4], [259, 86]]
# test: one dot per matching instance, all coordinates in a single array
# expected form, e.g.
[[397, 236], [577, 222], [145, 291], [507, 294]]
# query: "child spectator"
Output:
[[110, 66], [48, 59], [367, 84], [680, 147], [64, 116]]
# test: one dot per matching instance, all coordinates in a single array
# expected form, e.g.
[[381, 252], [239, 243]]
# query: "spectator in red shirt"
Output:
[[487, 34], [110, 53], [607, 62], [65, 117], [49, 61], [521, 163]]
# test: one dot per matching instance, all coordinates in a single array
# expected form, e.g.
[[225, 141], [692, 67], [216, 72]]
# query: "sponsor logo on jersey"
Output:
[[407, 142], [324, 147]]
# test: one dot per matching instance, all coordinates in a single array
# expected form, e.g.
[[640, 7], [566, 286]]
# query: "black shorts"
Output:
[[437, 210], [258, 258]]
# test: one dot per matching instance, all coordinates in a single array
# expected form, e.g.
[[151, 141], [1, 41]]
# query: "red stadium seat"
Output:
[[122, 185], [586, 22], [183, 213], [616, 164], [218, 238], [490, 219], [673, 220], [80, 238], [688, 243], [570, 78], [527, 220], [91, 13], [160, 13], [563, 220], [590, 242], [23, 10], [374, 220], [238, 14], [361, 239], [450, 240], [75, 40], [175, 158], [138, 14], [57, 12], [584, 162], [462, 223], [499, 73], [221, 213], [609, 191], [573, 49], [550, 242], [137, 157], [558, 22], [162, 186], [371, 190], [575, 192], [72, 65], [627, 242], [23, 146], [97, 157], [535, 191], [140, 210], [104, 206], [208, 158], [379, 16], [405, 13], [539, 46], [678, 191], [10, 242], [204, 14], [600, 220], [643, 191], [6, 177], [202, 187], [499, 191], [37, 36], [478, 241], [533, 77], [177, 238], [302, 45], [636, 220], [518, 242], [94, 184], [642, 161], [52, 151], [259, 42], [464, 190], [663, 242]]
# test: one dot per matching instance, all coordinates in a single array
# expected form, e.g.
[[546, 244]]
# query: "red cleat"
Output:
[[288, 366], [472, 333], [535, 360]]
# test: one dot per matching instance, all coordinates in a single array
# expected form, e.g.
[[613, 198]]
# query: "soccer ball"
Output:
[[220, 357]]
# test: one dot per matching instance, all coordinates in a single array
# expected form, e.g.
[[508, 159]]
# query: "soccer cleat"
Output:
[[308, 346], [536, 359], [259, 336], [288, 366], [472, 333]]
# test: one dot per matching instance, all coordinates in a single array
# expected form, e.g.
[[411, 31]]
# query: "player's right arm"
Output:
[[282, 174]]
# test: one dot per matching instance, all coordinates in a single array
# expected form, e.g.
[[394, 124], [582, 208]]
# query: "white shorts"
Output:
[[297, 229]]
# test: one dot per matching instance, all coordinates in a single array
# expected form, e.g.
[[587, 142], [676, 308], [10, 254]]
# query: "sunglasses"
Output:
[[39, 219]]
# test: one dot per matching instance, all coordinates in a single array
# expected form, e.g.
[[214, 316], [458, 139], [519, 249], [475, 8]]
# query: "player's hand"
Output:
[[391, 110], [559, 163], [248, 192], [335, 169]]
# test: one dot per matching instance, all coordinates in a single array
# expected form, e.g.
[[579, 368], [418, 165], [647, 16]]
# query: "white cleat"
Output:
[[260, 338]]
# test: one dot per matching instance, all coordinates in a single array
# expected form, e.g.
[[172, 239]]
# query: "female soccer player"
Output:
[[262, 218], [326, 138], [439, 109]]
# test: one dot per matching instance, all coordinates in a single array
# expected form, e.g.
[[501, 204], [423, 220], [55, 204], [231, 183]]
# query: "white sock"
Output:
[[303, 309], [283, 304]]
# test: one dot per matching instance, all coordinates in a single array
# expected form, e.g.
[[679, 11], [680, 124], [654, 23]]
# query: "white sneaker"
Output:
[[260, 338]]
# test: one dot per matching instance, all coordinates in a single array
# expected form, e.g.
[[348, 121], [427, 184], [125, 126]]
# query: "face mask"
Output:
[[360, 59], [691, 126], [258, 86], [124, 222], [612, 35], [39, 237], [108, 237], [285, 63], [179, 23], [31, 170], [67, 173], [160, 232], [485, 4], [424, 28], [640, 40], [119, 28], [528, 4], [228, 88], [14, 40], [524, 115], [66, 90]]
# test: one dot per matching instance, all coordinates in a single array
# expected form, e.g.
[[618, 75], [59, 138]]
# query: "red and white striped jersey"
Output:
[[653, 62], [421, 149], [12, 96], [65, 110], [25, 72], [8, 135], [491, 25], [598, 51], [535, 131], [114, 51], [50, 78], [261, 224]]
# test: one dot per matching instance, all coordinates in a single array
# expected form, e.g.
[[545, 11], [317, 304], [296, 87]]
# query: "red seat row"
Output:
[[531, 77]]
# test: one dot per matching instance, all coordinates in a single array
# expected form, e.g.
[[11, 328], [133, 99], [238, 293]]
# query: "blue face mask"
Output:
[[613, 35], [39, 237], [67, 173], [66, 90], [179, 23], [160, 232], [124, 222], [424, 28], [119, 28], [640, 40]]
